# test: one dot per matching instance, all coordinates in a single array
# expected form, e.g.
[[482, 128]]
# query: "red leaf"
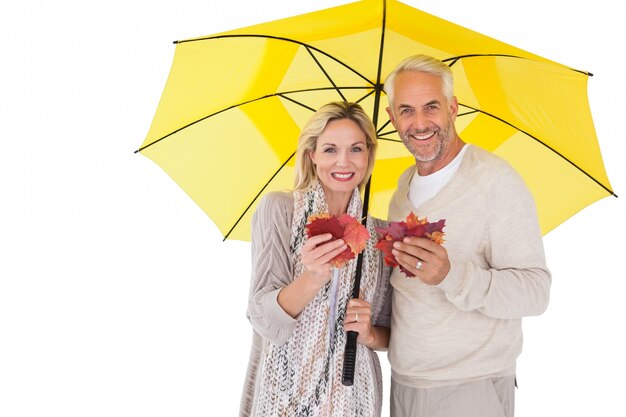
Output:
[[417, 231], [319, 225], [435, 227], [343, 227], [346, 219], [397, 230], [386, 246], [342, 259], [412, 226]]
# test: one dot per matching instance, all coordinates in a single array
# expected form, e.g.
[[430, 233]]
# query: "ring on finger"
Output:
[[419, 264]]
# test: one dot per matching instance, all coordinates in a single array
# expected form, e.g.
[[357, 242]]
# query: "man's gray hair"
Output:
[[426, 64]]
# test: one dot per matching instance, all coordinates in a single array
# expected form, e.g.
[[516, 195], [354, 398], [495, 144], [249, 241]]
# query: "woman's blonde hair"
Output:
[[305, 169]]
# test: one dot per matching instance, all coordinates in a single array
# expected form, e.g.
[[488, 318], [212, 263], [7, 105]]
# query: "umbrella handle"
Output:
[[349, 358], [349, 355]]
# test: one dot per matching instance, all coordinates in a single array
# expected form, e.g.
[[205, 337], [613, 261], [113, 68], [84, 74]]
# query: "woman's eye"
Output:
[[357, 149], [329, 150]]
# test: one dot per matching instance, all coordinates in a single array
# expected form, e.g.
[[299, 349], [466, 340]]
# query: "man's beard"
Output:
[[443, 137]]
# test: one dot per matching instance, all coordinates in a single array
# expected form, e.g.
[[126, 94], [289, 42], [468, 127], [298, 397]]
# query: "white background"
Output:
[[118, 296]]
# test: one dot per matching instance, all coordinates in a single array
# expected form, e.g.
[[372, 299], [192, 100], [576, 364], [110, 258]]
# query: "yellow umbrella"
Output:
[[227, 124]]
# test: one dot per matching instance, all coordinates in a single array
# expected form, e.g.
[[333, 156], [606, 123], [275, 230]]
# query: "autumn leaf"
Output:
[[397, 231], [385, 245], [413, 221], [342, 259], [437, 237], [318, 225], [435, 227], [345, 219], [345, 227], [355, 235]]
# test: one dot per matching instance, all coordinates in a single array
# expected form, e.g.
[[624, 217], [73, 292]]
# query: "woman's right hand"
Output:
[[316, 254]]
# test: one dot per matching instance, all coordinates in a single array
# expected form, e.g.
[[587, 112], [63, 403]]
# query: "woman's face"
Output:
[[341, 156]]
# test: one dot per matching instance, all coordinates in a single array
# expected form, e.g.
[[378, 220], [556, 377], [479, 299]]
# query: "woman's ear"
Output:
[[311, 155]]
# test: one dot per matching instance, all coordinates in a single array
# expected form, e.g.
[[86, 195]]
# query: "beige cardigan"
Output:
[[271, 271], [469, 326]]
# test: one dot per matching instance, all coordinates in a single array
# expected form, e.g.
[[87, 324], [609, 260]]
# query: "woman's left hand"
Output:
[[359, 319]]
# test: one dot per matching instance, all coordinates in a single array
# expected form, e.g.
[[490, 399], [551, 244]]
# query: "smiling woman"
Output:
[[341, 160], [300, 305]]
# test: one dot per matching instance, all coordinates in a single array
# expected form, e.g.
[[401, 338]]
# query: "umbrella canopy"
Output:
[[227, 124]]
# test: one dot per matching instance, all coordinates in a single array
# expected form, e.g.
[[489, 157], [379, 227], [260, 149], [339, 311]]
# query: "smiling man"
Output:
[[456, 326]]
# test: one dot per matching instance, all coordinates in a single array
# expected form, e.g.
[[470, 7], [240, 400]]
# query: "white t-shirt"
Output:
[[423, 188]]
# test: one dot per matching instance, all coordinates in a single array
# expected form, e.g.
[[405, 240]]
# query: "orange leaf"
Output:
[[355, 235], [413, 221], [437, 237]]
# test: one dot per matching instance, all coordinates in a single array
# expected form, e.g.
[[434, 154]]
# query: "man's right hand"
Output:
[[431, 257]]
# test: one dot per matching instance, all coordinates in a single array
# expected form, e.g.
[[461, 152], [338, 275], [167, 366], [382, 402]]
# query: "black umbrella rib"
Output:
[[384, 126], [258, 194], [297, 102], [467, 113], [325, 73], [453, 60], [366, 96], [280, 94], [279, 38], [379, 86], [547, 146], [381, 136]]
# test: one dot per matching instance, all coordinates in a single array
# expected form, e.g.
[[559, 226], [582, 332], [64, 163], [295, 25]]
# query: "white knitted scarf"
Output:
[[302, 377]]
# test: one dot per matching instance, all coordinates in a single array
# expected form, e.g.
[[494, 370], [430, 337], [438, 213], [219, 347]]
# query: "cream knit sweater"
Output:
[[469, 326]]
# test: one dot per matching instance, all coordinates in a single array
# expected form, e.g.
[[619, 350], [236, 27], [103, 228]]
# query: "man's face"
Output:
[[423, 117]]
